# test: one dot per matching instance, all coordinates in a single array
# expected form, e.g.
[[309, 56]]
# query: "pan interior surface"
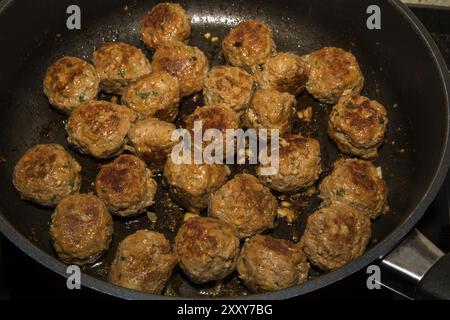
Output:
[[399, 68]]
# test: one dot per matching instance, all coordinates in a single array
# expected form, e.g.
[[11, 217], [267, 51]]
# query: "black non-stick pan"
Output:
[[401, 64]]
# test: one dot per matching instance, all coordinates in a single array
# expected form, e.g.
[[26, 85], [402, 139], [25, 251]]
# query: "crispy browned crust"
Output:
[[46, 173], [358, 126], [246, 203], [69, 82], [188, 64], [285, 72], [81, 229], [119, 64], [207, 249], [333, 73], [165, 22], [126, 186], [99, 128], [143, 261], [356, 183], [269, 264], [249, 43], [335, 236], [299, 164]]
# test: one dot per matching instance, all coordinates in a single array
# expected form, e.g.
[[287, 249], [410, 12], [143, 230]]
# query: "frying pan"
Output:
[[403, 68]]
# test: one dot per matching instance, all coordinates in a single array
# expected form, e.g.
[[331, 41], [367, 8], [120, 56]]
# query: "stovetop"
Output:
[[21, 277]]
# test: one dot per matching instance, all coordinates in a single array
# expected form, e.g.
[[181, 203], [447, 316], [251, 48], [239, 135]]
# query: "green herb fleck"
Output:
[[194, 58], [72, 183], [152, 217], [123, 258], [122, 72], [145, 95], [82, 97], [350, 105], [340, 192], [261, 195]]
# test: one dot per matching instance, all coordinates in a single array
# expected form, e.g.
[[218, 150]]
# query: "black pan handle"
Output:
[[436, 282], [417, 269]]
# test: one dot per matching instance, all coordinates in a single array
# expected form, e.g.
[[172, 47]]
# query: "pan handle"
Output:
[[417, 269]]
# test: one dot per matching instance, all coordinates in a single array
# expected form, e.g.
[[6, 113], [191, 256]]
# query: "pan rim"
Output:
[[377, 252]]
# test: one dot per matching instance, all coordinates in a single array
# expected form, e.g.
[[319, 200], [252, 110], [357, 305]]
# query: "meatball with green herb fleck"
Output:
[[69, 82], [154, 96], [188, 64], [119, 64]]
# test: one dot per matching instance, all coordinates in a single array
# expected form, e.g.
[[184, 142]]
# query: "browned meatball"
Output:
[[207, 249], [99, 128], [299, 165], [81, 229], [333, 73], [246, 203], [270, 109], [143, 261], [188, 64], [69, 82], [358, 126], [156, 95], [357, 183], [335, 235], [269, 264], [118, 65], [285, 72], [249, 43], [191, 184], [151, 141], [46, 173], [228, 85], [220, 117], [165, 22], [126, 186]]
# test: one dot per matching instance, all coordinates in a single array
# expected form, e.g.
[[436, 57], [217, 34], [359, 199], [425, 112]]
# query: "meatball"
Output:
[[165, 22], [270, 109], [118, 65], [188, 64], [285, 72], [126, 186], [143, 261], [220, 117], [81, 229], [69, 82], [358, 126], [151, 141], [99, 128], [46, 173], [156, 95], [269, 264], [357, 183], [228, 85], [333, 73], [249, 43], [207, 249], [191, 184], [245, 203], [299, 165], [335, 235]]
